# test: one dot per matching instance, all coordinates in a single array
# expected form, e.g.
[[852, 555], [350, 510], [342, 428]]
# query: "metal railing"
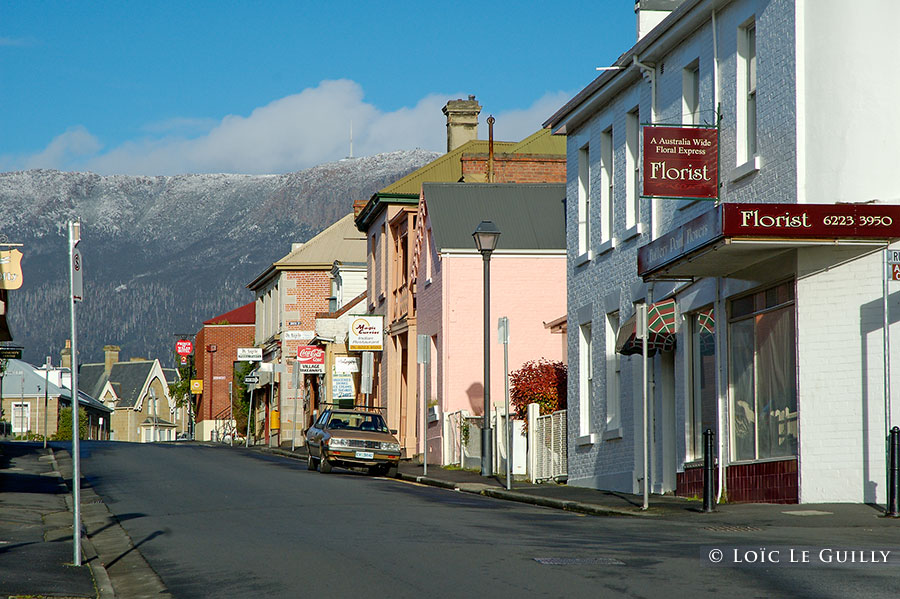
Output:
[[551, 451]]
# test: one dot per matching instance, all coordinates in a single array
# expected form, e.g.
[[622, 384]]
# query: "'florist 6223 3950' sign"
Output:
[[827, 221]]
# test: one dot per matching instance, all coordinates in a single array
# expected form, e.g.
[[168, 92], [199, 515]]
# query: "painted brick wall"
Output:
[[615, 464]]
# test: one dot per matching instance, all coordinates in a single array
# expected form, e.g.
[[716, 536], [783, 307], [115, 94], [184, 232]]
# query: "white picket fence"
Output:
[[542, 456]]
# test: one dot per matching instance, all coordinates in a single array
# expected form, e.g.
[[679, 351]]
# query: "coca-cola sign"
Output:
[[311, 359]]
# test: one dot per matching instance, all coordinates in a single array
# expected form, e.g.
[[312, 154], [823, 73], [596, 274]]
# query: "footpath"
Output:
[[36, 546]]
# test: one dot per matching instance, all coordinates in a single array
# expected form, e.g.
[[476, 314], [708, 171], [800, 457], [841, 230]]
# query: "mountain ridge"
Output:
[[164, 253]]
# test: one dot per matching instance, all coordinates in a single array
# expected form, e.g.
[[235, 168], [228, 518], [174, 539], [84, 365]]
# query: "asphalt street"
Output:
[[216, 521]]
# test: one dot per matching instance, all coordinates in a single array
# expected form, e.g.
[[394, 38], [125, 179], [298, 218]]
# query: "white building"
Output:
[[779, 328]]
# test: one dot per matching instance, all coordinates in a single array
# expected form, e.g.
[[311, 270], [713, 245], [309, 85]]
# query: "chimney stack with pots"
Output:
[[650, 13], [111, 356]]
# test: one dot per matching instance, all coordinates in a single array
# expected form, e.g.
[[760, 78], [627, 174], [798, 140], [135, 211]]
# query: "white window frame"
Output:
[[21, 412], [607, 211], [585, 382], [633, 173], [747, 150], [584, 203], [613, 379], [690, 94]]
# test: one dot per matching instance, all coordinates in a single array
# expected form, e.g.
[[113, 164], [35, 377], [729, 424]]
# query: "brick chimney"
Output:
[[462, 121], [650, 13], [65, 355], [111, 356]]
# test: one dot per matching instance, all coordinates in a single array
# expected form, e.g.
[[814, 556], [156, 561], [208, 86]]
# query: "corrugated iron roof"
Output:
[[529, 216]]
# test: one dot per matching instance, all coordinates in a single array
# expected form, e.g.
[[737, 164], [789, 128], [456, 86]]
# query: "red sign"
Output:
[[311, 359], [184, 347], [895, 272], [828, 221], [681, 162]]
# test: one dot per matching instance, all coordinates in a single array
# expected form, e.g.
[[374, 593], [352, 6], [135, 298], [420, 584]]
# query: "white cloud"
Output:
[[288, 134], [72, 145]]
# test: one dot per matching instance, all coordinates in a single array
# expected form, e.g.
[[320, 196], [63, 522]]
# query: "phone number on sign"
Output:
[[846, 220]]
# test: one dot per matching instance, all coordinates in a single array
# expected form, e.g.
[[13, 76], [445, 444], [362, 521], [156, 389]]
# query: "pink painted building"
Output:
[[528, 286]]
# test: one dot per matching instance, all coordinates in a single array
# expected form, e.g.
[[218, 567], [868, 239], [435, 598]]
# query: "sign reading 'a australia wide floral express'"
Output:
[[681, 162]]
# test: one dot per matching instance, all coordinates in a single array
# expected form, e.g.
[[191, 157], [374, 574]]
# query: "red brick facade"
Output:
[[516, 168], [216, 368]]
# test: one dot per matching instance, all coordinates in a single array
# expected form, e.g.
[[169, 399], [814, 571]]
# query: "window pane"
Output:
[[742, 390], [703, 379], [776, 389]]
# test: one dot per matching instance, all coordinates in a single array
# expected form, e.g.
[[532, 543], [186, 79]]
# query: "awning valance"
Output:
[[661, 331], [734, 236]]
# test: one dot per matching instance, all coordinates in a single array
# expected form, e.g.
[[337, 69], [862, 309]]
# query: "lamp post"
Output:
[[486, 236]]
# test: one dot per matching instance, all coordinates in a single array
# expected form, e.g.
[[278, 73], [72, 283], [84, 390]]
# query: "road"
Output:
[[217, 522]]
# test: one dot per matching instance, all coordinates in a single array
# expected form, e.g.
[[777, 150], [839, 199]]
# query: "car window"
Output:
[[323, 419]]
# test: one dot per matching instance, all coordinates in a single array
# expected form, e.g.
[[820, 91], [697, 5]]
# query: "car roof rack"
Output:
[[351, 407]]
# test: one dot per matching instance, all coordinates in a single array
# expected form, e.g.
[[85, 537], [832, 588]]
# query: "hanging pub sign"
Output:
[[10, 269], [366, 332], [681, 162]]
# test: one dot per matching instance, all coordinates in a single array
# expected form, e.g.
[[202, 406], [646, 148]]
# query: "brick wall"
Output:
[[516, 168], [217, 368]]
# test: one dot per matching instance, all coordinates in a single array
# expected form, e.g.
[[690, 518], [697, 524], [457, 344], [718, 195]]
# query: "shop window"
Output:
[[633, 169], [704, 399], [21, 417], [746, 88], [690, 94], [762, 378]]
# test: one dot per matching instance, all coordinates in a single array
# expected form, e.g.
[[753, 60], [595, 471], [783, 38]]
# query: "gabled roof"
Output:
[[448, 169], [91, 378], [246, 314], [529, 216], [131, 377], [340, 241]]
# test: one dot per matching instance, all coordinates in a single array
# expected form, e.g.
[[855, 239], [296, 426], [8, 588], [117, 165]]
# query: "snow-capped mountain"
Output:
[[162, 254]]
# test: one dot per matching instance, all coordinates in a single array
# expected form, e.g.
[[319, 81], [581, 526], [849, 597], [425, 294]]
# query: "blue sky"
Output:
[[272, 86]]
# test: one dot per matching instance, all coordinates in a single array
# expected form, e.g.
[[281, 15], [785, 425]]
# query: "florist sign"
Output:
[[681, 162], [366, 332]]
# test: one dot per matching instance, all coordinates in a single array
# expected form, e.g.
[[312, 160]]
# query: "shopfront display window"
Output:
[[703, 379], [762, 377]]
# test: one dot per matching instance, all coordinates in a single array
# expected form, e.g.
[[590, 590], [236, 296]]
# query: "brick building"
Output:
[[771, 295], [289, 294], [389, 220], [215, 354]]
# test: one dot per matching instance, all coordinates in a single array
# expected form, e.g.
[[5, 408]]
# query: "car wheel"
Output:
[[311, 463], [390, 471], [376, 470], [325, 465]]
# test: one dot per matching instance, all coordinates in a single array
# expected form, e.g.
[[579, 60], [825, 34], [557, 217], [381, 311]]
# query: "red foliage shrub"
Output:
[[542, 382]]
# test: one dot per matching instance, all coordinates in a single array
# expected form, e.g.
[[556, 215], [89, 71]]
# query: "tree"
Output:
[[64, 426], [180, 390], [241, 395], [539, 381]]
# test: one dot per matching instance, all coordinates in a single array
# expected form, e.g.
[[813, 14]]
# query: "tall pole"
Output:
[[503, 329], [46, 397], [249, 416], [486, 457], [643, 325], [74, 286]]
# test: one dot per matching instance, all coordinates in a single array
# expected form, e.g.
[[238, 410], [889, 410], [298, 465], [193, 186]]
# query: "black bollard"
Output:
[[708, 471], [893, 507]]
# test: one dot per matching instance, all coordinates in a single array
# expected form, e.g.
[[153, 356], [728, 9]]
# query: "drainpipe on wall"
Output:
[[490, 160]]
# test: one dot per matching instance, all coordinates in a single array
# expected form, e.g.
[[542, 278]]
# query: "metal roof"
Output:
[[529, 216], [22, 379], [340, 241]]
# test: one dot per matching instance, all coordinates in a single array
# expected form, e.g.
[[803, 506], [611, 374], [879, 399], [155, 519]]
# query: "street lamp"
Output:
[[486, 236]]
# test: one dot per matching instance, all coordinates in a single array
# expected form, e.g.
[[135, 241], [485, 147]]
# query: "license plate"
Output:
[[365, 455]]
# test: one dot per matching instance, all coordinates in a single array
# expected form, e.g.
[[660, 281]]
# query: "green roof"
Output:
[[448, 169]]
